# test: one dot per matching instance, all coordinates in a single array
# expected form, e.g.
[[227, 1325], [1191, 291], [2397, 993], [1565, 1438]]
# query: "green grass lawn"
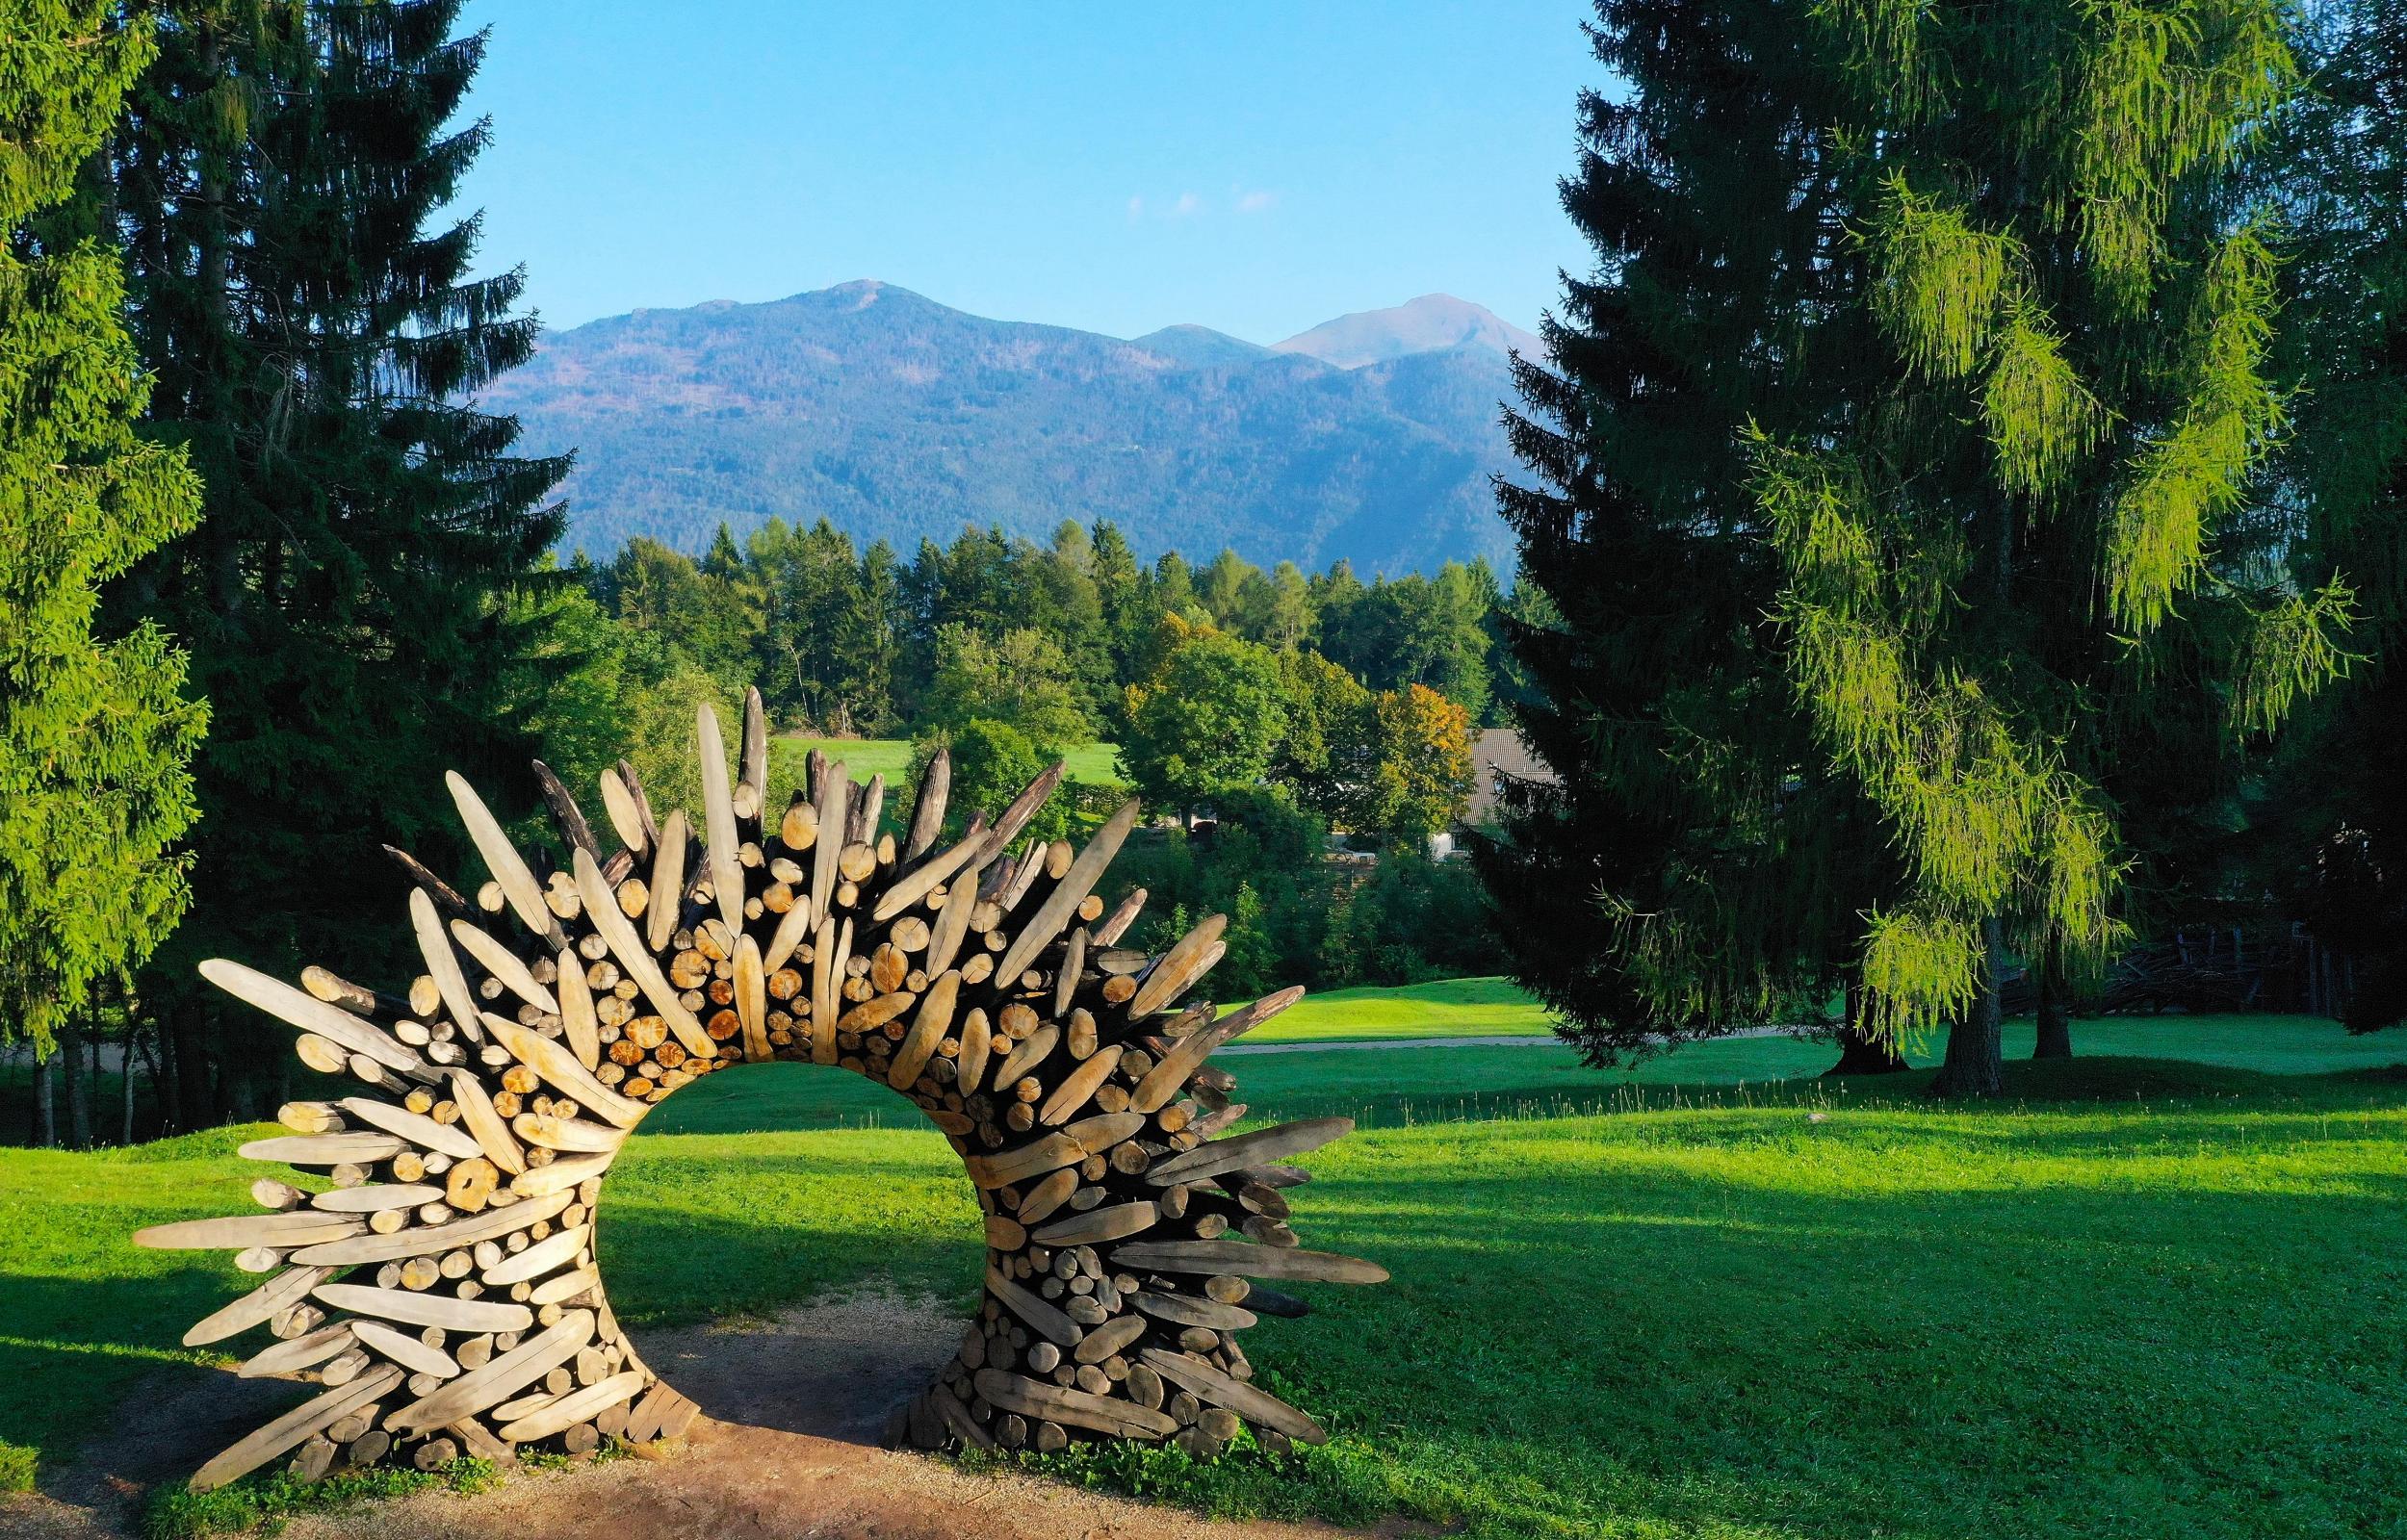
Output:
[[2137, 1299], [1097, 763]]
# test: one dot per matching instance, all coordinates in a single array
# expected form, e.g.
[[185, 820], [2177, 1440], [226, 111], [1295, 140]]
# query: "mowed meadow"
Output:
[[2153, 1291]]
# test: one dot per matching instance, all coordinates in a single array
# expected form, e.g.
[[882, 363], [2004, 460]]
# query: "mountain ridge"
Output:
[[900, 418]]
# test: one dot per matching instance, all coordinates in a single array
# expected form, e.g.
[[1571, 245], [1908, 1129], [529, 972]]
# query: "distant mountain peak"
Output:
[[1432, 324], [900, 419]]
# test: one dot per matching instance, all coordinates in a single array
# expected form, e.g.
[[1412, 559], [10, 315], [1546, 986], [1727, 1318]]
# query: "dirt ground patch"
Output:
[[787, 1448]]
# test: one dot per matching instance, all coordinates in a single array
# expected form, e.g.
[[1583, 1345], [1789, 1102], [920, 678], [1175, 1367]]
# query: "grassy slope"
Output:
[[2114, 1316], [1097, 763]]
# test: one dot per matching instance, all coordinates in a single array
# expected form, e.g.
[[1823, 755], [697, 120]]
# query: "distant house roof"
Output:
[[1497, 753]]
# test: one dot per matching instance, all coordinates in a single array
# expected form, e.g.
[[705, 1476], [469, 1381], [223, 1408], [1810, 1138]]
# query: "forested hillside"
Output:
[[897, 418]]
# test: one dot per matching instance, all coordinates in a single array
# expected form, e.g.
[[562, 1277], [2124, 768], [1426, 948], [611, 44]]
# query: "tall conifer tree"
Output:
[[2028, 556], [1695, 861], [303, 299], [96, 734]]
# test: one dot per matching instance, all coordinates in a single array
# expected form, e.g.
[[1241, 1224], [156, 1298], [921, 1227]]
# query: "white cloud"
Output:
[[1187, 205], [1256, 202], [1136, 210]]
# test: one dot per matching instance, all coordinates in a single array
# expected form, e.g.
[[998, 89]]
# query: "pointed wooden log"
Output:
[[1248, 1149], [566, 815], [867, 807], [952, 925], [435, 947], [1188, 1310], [572, 1134], [557, 1066], [1180, 967], [577, 1406], [631, 830], [1246, 1260], [325, 1149], [578, 1022], [1061, 905], [490, 1225], [407, 1350], [977, 1039], [269, 1299], [542, 1181], [416, 1128], [1163, 1081], [426, 1308], [1073, 964], [502, 860], [554, 1250], [1031, 1051], [1038, 1314], [668, 882], [793, 927], [957, 1419], [916, 885], [292, 1428], [492, 1134], [504, 965], [1016, 817], [309, 1014], [376, 1195], [1053, 1403], [498, 1379], [436, 889], [602, 913], [927, 808], [1124, 914], [297, 1353], [1258, 1407], [1112, 1222], [834, 788], [325, 984], [562, 1287], [1023, 876], [719, 818], [1044, 1198], [1091, 1137], [756, 755], [1078, 1088], [1108, 1338], [927, 1029], [751, 999]]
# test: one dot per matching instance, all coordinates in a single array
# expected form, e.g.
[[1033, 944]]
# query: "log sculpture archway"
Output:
[[443, 1289]]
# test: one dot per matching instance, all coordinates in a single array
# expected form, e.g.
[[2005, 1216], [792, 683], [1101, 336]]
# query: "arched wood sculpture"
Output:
[[442, 1288]]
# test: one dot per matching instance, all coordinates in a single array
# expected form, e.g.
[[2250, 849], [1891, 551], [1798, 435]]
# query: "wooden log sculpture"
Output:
[[443, 1289]]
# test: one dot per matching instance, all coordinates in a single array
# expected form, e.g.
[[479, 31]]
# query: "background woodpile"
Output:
[[441, 1289]]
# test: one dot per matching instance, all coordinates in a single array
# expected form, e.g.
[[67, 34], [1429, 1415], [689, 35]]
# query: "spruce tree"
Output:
[[96, 734], [2328, 839], [2026, 554], [1694, 863], [302, 298]]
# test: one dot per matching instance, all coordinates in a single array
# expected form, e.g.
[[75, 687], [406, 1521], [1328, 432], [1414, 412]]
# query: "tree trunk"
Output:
[[125, 1130], [78, 1085], [1860, 1053], [192, 1066], [1976, 1062], [46, 1109], [2056, 1009]]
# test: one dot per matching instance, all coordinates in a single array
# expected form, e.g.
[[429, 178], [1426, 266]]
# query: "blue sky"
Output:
[[1255, 168]]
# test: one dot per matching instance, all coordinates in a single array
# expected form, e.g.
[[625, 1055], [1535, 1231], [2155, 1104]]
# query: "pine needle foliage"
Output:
[[2031, 542], [96, 734], [303, 295], [1698, 865]]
